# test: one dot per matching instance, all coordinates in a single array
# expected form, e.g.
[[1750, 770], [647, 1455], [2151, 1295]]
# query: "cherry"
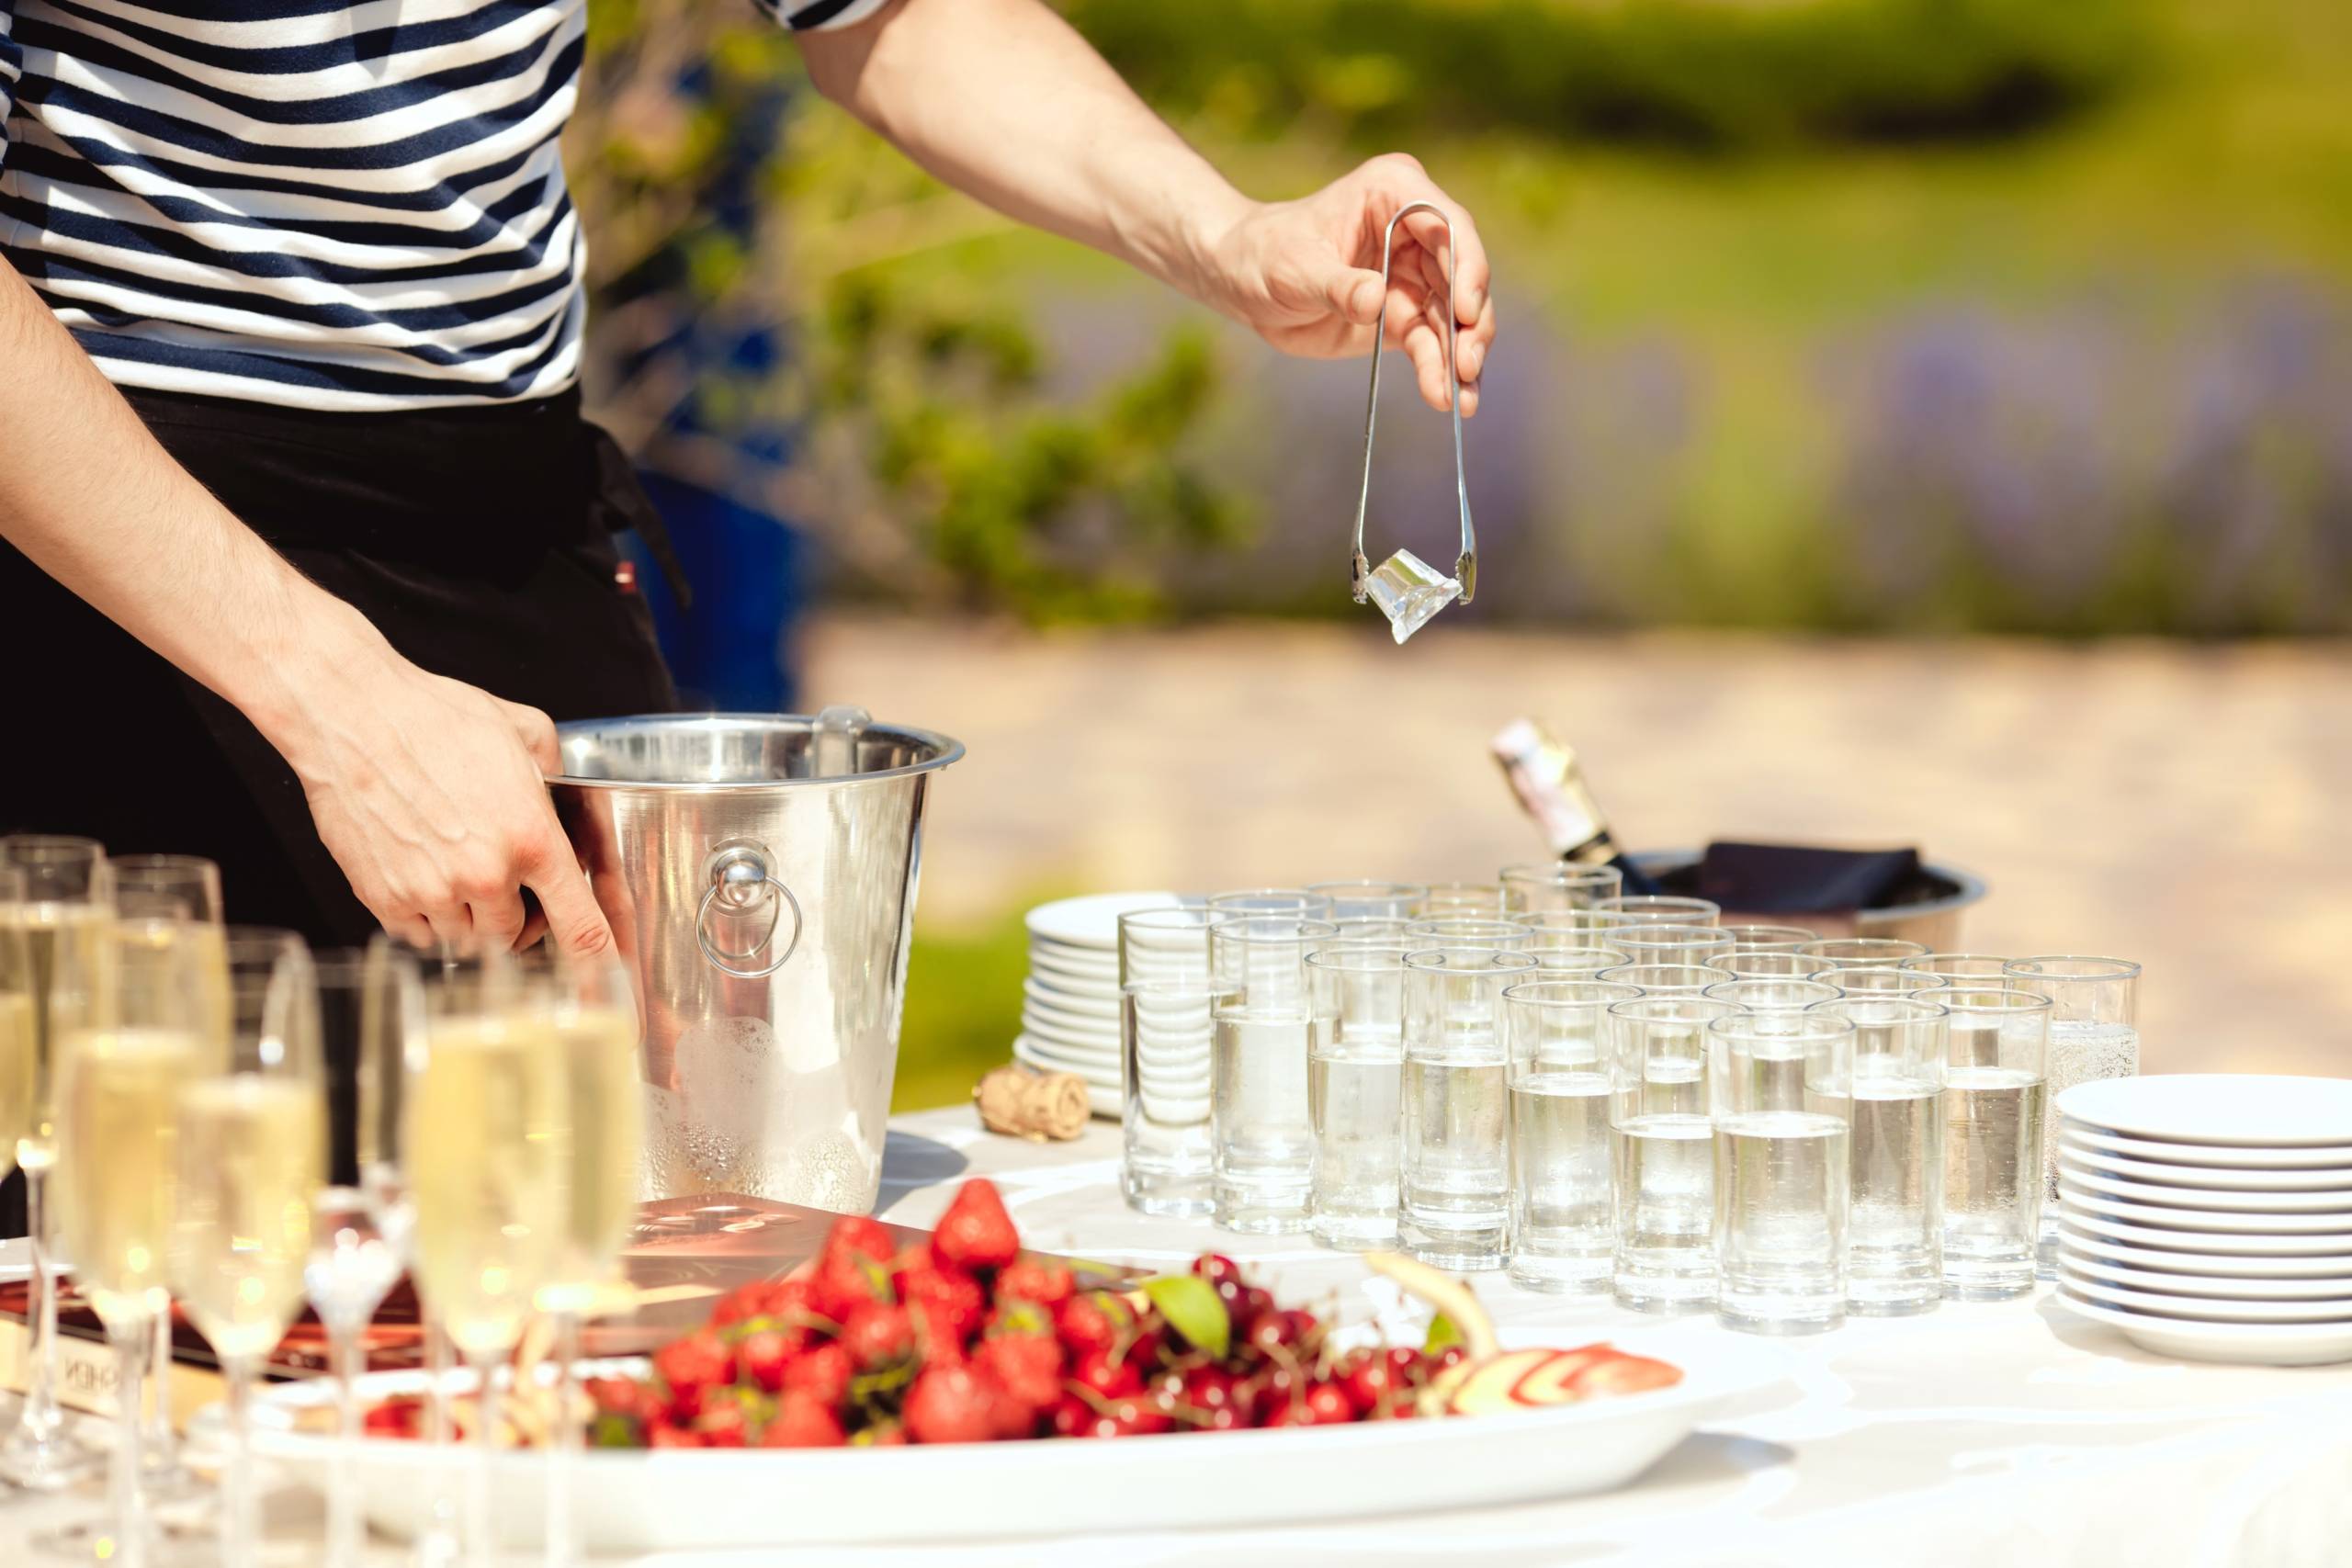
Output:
[[1330, 1403], [1217, 1268], [1072, 1417], [1112, 1380], [1369, 1381], [1451, 1356], [1271, 1331]]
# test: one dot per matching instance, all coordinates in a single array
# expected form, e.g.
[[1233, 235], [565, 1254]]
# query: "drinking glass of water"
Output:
[[1995, 1099], [1769, 938], [1662, 1152], [1651, 944], [1666, 910], [1853, 952], [1164, 1078], [1887, 980], [1468, 930], [1781, 1090], [1261, 1139], [1556, 884], [1367, 901], [1456, 1179], [2093, 1034], [1356, 1067], [1169, 943], [1445, 898], [1665, 979], [1895, 1232], [1563, 1195], [1773, 996]]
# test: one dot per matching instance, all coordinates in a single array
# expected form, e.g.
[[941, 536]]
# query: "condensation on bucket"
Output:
[[749, 1116]]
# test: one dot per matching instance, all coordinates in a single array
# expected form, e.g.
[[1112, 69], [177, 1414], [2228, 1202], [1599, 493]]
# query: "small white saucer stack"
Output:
[[1070, 1003], [2208, 1215]]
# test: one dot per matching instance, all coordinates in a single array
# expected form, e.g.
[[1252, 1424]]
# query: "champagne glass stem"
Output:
[[129, 1544], [564, 1443], [343, 1533], [437, 1545], [162, 1439], [240, 1508], [42, 1419], [482, 1550]]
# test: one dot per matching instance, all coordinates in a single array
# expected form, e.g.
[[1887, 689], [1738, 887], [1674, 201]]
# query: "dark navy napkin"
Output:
[[1789, 879]]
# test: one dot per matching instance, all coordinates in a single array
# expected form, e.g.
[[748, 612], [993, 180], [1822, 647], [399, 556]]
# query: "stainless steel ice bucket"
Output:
[[759, 872]]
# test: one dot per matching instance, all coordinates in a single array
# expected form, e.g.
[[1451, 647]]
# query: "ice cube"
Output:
[[1410, 590]]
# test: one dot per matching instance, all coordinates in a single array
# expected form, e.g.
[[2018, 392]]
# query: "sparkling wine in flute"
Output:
[[600, 1102], [1549, 781], [252, 1153], [16, 1072], [118, 1123], [483, 1168], [155, 952], [49, 939]]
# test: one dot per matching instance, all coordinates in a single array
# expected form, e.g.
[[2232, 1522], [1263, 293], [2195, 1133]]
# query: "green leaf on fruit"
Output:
[[1190, 1304], [1443, 1335]]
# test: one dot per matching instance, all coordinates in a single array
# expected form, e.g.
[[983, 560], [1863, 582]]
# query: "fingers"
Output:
[[497, 921], [538, 733], [573, 921], [1353, 293]]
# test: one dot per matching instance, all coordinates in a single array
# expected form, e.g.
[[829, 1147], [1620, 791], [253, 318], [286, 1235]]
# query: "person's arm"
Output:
[[1002, 99], [428, 791]]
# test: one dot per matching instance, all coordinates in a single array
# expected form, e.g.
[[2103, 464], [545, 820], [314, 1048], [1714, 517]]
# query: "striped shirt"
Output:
[[324, 204]]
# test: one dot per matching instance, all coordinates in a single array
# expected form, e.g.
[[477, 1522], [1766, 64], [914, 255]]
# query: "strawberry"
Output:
[[950, 1305], [723, 1425], [955, 1403], [1035, 1279], [1094, 1321], [976, 1232], [875, 1335], [802, 1421], [1028, 1365], [763, 1355], [401, 1417], [881, 1435], [852, 1270], [691, 1367], [822, 1372], [663, 1435]]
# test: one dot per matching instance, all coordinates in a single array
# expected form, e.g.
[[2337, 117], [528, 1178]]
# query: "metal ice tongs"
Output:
[[1404, 567]]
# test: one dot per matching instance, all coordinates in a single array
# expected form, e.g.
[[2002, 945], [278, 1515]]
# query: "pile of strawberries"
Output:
[[962, 1340]]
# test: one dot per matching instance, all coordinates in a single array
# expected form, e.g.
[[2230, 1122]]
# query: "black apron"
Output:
[[477, 541]]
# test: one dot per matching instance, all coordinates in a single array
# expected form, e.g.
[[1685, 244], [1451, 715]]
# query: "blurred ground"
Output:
[[2176, 804]]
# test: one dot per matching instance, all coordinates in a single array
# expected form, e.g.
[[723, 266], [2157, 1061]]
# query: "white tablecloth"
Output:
[[2008, 1433]]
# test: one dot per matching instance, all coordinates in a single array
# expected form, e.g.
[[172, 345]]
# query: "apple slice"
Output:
[[1617, 1372], [1553, 1381], [1482, 1388]]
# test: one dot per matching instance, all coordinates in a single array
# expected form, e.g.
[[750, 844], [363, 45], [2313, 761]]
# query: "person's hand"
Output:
[[431, 796], [1306, 274]]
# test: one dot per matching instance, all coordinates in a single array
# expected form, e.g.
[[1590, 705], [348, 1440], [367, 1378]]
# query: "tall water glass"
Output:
[[1262, 1136], [597, 1134], [1443, 899], [1563, 1194], [1467, 930], [1558, 884], [1894, 1238], [1996, 1100], [1667, 979], [253, 1155], [484, 1176], [1652, 943], [1662, 1151], [2093, 1034], [1769, 938], [55, 920], [1455, 1179], [1355, 1069], [1781, 1090], [1778, 964], [1370, 900], [1666, 910], [1165, 1032], [1772, 996], [132, 1037], [1171, 944], [1853, 952], [1574, 928]]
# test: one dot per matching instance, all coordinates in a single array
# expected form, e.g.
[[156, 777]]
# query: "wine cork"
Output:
[[1040, 1107]]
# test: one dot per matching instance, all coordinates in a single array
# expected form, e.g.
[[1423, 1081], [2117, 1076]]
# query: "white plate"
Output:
[[1046, 992], [2226, 1156], [2248, 1344], [2255, 1110], [1046, 963], [710, 1499], [1093, 1069], [1088, 1047], [2332, 1228], [2335, 1200], [1101, 1032], [2212, 1177], [2211, 1265], [2337, 1288], [2168, 1237], [1092, 921], [2205, 1307]]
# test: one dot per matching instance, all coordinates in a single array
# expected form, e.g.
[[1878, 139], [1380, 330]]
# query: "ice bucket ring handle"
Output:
[[738, 874]]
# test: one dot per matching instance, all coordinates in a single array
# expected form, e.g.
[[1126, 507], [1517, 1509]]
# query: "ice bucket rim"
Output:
[[945, 750]]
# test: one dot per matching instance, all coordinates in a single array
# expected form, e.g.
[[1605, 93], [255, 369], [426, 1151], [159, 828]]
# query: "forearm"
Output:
[[91, 497], [1002, 99]]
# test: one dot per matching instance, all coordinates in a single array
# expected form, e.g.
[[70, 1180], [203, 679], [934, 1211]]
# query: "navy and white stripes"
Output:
[[327, 204]]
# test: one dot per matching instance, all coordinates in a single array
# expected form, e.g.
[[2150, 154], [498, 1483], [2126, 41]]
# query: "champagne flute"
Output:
[[252, 1151], [371, 1003], [55, 921], [600, 1108], [138, 1039], [183, 888], [481, 1166]]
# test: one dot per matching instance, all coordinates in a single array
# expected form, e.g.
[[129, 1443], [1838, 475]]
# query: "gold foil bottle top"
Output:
[[1550, 783]]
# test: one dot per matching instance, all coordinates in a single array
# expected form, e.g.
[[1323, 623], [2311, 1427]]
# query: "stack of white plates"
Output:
[[2208, 1215], [1070, 1003]]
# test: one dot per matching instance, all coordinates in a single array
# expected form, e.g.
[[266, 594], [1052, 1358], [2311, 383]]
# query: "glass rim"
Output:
[[1524, 993], [1571, 920], [1233, 930], [1921, 962], [1217, 900], [1929, 980], [1926, 1010], [1648, 932], [1775, 1025], [1809, 967], [1369, 887], [2031, 968], [1341, 959], [1773, 980], [1988, 999], [1497, 926], [1802, 934], [1559, 871], [1178, 985], [1705, 968], [1201, 917], [1619, 958], [1660, 901], [1513, 960], [1636, 1008], [1872, 945]]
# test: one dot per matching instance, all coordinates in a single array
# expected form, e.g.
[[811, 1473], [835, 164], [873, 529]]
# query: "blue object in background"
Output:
[[731, 652]]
